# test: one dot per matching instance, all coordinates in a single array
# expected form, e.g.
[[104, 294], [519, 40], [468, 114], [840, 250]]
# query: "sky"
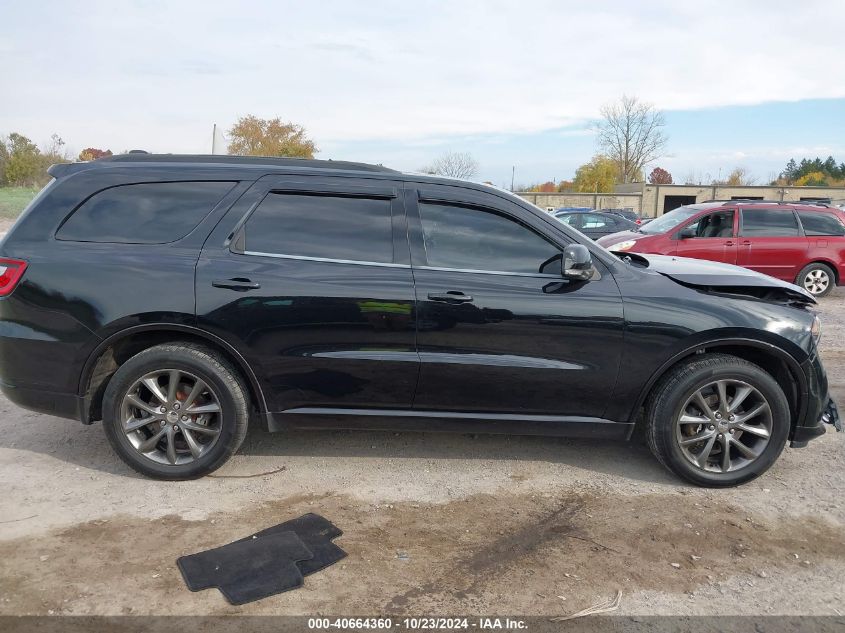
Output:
[[517, 83]]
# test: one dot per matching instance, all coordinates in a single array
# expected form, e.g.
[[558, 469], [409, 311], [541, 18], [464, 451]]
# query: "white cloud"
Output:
[[157, 74]]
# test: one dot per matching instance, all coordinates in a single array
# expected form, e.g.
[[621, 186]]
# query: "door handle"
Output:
[[729, 243], [238, 283], [746, 242], [452, 296]]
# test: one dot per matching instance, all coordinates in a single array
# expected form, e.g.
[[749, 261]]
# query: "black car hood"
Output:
[[701, 273]]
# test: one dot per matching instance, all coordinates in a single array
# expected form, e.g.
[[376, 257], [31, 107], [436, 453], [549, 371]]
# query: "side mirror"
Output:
[[687, 233], [577, 263]]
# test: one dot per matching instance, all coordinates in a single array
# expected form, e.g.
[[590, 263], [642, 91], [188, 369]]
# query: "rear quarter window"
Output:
[[820, 223], [147, 213]]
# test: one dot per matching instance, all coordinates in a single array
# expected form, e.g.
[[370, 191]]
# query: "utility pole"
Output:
[[513, 173]]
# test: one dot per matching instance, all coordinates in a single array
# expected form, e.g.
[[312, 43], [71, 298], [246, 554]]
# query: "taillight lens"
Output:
[[11, 271]]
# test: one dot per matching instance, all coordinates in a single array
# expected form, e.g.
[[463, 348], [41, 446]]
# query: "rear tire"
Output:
[[818, 279], [717, 420], [176, 411]]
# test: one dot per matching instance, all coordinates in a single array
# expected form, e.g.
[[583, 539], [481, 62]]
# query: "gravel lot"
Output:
[[434, 524]]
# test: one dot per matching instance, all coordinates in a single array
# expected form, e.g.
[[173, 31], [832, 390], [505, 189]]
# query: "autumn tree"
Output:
[[92, 153], [252, 136], [631, 134], [815, 170], [813, 179], [597, 176], [455, 165], [660, 176], [544, 187], [738, 177]]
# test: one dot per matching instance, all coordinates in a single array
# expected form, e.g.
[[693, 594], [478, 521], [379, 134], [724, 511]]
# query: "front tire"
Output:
[[717, 420], [818, 279], [176, 411]]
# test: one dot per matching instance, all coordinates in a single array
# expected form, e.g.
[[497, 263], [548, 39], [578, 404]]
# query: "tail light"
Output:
[[11, 271]]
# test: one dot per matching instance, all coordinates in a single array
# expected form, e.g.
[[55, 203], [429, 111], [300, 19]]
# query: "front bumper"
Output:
[[831, 415], [820, 409]]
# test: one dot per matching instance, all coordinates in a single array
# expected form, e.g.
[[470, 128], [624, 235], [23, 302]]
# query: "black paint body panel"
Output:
[[336, 344]]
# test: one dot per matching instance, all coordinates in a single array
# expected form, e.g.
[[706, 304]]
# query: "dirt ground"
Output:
[[433, 524]]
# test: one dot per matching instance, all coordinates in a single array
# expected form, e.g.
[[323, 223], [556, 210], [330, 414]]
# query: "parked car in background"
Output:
[[595, 224], [628, 214], [800, 243], [572, 210], [181, 298]]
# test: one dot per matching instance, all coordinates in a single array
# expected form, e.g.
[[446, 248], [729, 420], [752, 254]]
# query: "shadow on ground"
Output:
[[86, 446]]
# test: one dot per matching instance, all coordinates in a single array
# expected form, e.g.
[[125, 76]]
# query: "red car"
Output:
[[800, 243]]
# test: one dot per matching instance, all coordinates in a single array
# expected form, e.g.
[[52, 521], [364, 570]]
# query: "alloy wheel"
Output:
[[816, 281], [724, 426], [171, 416]]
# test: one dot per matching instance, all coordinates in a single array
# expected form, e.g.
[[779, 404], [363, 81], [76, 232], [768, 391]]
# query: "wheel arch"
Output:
[[827, 263], [781, 365], [113, 351]]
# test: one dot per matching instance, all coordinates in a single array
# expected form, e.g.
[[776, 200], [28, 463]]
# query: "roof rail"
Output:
[[747, 201], [742, 200], [136, 156], [752, 201]]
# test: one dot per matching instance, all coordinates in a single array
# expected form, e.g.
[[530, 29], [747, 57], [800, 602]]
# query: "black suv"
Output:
[[179, 298]]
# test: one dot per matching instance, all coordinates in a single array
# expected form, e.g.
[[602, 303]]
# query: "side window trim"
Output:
[[332, 189], [488, 272], [330, 260]]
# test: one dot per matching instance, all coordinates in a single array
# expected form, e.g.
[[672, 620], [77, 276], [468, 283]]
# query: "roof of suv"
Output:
[[715, 204], [251, 166], [205, 160]]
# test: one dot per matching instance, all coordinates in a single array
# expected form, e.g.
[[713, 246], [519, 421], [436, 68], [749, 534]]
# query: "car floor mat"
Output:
[[317, 533], [248, 569]]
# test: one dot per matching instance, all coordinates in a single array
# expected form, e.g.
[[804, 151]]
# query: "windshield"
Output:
[[668, 221]]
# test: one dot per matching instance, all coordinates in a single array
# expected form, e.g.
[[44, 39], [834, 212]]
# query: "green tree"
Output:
[[597, 176], [4, 158], [252, 136], [23, 166], [791, 171]]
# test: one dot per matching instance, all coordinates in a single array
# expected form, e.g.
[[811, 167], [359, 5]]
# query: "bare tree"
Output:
[[631, 135], [454, 164]]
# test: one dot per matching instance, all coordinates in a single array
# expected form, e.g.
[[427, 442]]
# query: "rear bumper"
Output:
[[63, 405]]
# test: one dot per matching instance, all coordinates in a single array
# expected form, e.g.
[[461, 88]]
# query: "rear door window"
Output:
[[147, 213], [820, 223], [321, 227], [571, 219], [598, 221], [769, 223]]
